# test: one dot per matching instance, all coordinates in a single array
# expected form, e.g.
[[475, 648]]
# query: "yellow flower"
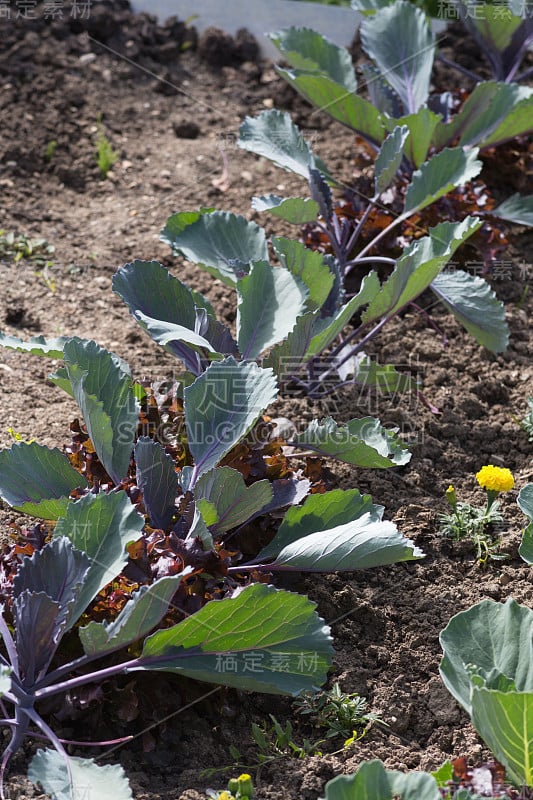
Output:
[[495, 479]]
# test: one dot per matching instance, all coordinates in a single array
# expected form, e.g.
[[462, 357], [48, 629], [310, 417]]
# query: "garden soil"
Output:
[[171, 107]]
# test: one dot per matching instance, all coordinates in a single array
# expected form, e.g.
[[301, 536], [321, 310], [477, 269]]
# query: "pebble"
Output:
[[87, 58]]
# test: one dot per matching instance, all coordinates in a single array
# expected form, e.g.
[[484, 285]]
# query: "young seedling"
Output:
[[50, 150], [527, 422], [340, 713], [105, 155]]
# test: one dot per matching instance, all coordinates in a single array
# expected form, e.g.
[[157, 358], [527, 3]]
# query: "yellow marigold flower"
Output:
[[495, 479]]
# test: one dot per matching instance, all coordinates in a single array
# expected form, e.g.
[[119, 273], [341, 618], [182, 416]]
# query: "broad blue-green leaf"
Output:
[[166, 332], [504, 720], [86, 779], [384, 377], [37, 633], [450, 168], [307, 265], [274, 135], [318, 513], [297, 210], [149, 289], [413, 785], [140, 615], [61, 379], [327, 329], [399, 39], [471, 300], [234, 503], [199, 530], [493, 113], [37, 480], [100, 525], [421, 127], [270, 301], [346, 107], [495, 25], [349, 526], [363, 442], [308, 50], [57, 570], [223, 243], [381, 93], [102, 389], [389, 158], [373, 782], [419, 265], [286, 492], [492, 639], [518, 209], [218, 336], [209, 338], [518, 122], [262, 639], [525, 502], [288, 357], [222, 405], [45, 590], [502, 33], [360, 544], [37, 346], [370, 782], [158, 481], [177, 223]]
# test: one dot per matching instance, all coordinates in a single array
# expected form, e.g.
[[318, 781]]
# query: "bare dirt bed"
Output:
[[172, 111]]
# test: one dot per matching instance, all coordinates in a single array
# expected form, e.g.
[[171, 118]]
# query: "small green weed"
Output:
[[340, 713], [527, 422], [15, 247], [275, 741], [50, 150], [105, 155]]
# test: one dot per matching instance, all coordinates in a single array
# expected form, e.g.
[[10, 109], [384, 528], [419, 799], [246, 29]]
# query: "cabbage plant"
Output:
[[294, 315], [131, 502]]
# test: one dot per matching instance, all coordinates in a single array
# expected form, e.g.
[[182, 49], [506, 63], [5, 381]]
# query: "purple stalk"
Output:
[[5, 633], [330, 233], [355, 235], [53, 676], [432, 322], [355, 349], [74, 742], [523, 75], [49, 733], [91, 677], [454, 65]]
